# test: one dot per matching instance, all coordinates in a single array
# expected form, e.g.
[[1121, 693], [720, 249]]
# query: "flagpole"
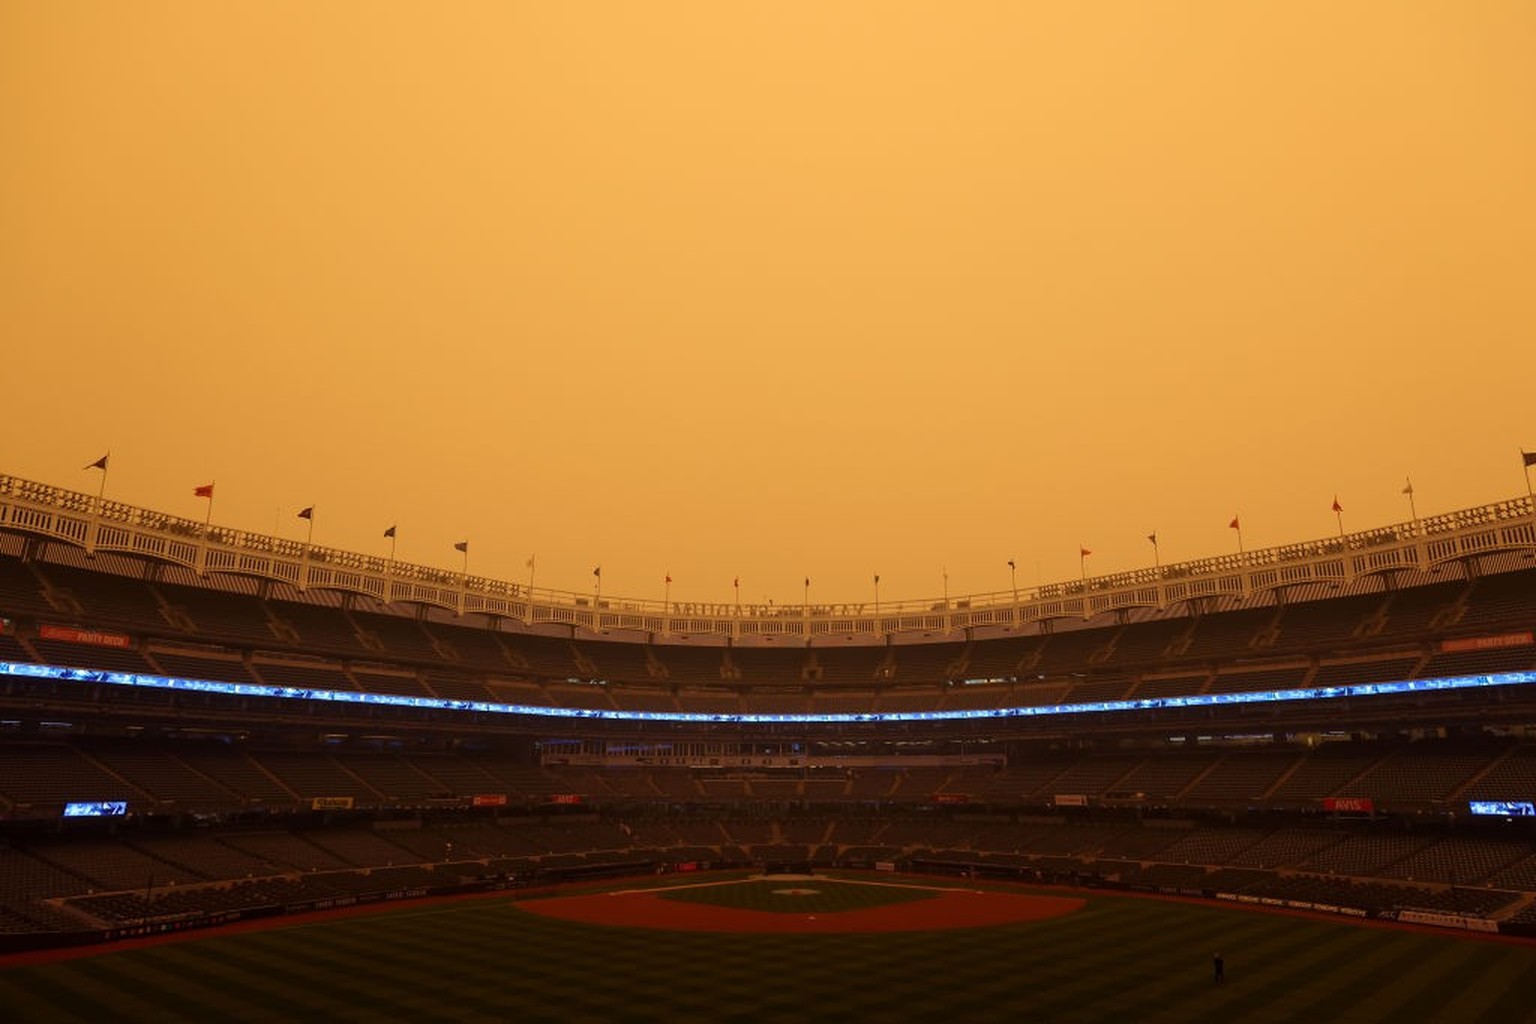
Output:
[[533, 561], [96, 510], [212, 490], [1408, 490], [1527, 460], [1013, 581], [1157, 558], [101, 491], [389, 566], [666, 597], [877, 595], [946, 588], [736, 585]]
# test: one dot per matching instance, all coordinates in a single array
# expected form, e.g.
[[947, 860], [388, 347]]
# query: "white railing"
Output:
[[75, 518]]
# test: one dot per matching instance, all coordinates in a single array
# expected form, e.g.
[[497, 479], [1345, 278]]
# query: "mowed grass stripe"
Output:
[[278, 977], [1419, 990], [76, 988], [257, 997], [424, 979], [1341, 983], [409, 969], [1276, 980], [1490, 975], [1121, 958], [44, 998], [1514, 1003], [171, 992]]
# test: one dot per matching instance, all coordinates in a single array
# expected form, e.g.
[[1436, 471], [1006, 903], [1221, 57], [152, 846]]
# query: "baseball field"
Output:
[[736, 948]]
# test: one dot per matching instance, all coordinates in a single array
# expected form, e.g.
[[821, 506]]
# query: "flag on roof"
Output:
[[389, 532], [1083, 552], [463, 546], [1336, 506], [807, 581], [205, 491], [307, 513], [877, 579], [1234, 524], [1529, 458], [597, 571], [1153, 538], [737, 583], [669, 577], [100, 463], [1408, 487]]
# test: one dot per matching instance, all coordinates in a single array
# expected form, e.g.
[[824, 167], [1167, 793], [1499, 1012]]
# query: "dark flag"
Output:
[[1336, 506], [389, 532], [205, 491], [307, 513], [100, 463], [1528, 458], [1153, 538], [1234, 525], [463, 546]]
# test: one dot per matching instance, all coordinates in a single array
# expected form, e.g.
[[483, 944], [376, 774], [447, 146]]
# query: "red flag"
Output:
[[1336, 506], [1233, 524], [1083, 552], [737, 584], [669, 577], [205, 491]]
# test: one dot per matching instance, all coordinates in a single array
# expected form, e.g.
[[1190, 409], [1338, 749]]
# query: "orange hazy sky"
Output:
[[772, 289]]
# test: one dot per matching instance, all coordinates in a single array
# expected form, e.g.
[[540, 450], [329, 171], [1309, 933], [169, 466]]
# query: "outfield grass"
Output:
[[1118, 959]]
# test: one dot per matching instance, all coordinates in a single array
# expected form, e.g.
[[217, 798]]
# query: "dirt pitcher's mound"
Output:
[[950, 908]]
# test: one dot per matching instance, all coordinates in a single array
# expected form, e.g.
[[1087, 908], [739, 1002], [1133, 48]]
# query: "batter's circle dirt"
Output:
[[950, 908]]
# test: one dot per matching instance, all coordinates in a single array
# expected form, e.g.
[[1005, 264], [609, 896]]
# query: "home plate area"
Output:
[[784, 903]]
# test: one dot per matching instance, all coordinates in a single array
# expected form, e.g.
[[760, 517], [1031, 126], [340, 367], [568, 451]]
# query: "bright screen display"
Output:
[[1505, 808], [96, 809]]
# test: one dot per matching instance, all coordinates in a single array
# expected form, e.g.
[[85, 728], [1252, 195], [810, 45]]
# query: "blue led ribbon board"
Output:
[[103, 677]]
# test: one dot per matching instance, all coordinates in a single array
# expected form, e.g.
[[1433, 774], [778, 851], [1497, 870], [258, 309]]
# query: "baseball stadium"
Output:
[[822, 510], [269, 780]]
